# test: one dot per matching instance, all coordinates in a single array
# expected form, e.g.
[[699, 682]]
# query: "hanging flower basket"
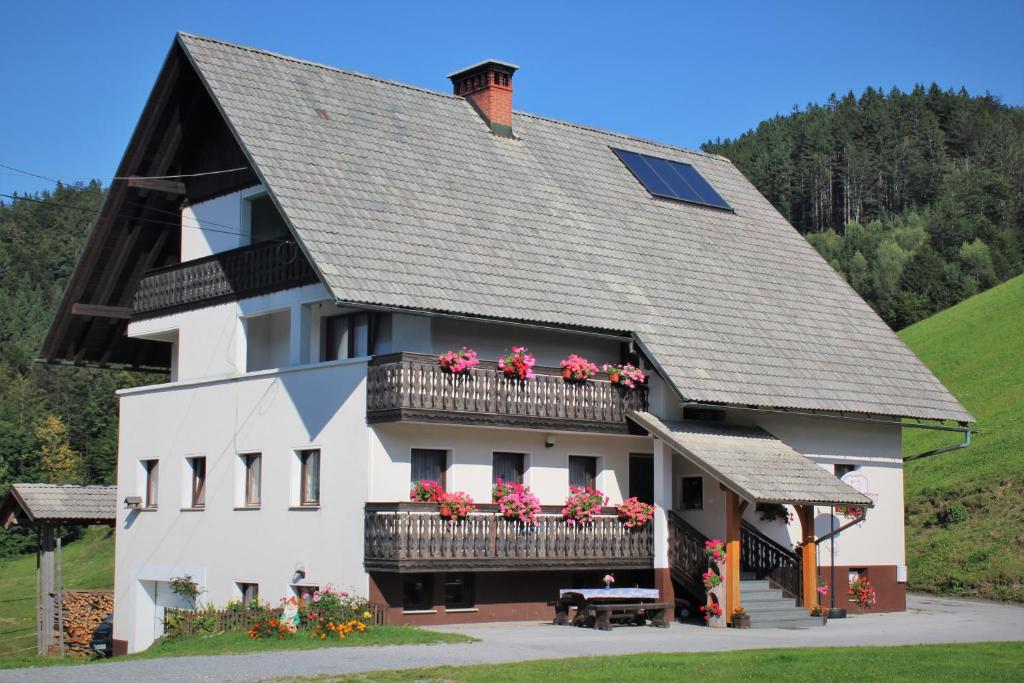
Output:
[[518, 364], [456, 506], [634, 513], [578, 369], [582, 505], [627, 375], [458, 362], [426, 491], [715, 550], [516, 502]]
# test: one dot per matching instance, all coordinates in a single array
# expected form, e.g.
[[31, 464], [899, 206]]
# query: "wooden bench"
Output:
[[630, 613]]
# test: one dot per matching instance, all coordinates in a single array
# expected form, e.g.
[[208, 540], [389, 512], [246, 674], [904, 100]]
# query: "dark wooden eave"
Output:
[[180, 132]]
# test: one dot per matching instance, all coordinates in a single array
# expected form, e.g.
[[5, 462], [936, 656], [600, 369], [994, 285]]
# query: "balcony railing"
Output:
[[235, 274], [409, 386], [411, 537]]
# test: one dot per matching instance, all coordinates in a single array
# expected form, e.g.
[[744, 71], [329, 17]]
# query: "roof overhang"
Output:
[[58, 504], [753, 463]]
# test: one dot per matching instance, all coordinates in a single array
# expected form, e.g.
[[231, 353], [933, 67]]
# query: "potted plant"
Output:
[[582, 505], [516, 502], [426, 491], [456, 506], [715, 550], [711, 579], [820, 611], [740, 618], [458, 362], [712, 610], [634, 513], [518, 364], [862, 592], [578, 369], [626, 375], [609, 579]]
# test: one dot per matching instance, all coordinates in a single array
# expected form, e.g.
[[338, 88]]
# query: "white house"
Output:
[[296, 244]]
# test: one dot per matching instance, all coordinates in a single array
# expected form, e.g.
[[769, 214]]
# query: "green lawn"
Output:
[[240, 643], [88, 564], [933, 663], [977, 349]]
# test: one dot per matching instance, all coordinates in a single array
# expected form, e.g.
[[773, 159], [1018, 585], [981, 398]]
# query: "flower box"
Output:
[[627, 375], [458, 363], [518, 364], [578, 369]]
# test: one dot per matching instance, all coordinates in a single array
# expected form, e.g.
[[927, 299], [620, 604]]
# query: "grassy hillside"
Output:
[[977, 349], [88, 563]]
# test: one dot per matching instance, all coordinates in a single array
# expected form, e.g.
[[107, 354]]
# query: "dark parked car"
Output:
[[103, 637]]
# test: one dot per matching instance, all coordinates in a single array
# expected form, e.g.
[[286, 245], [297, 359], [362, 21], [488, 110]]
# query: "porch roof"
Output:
[[753, 463], [39, 504]]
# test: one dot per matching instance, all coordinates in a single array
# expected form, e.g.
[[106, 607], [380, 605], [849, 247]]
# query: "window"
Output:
[[641, 476], [152, 469], [265, 222], [198, 467], [250, 592], [418, 593], [268, 341], [428, 463], [309, 477], [459, 591], [671, 179], [345, 336], [508, 467], [252, 464], [842, 470], [582, 471], [693, 493]]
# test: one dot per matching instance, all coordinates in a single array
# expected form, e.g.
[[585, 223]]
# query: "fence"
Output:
[[181, 622]]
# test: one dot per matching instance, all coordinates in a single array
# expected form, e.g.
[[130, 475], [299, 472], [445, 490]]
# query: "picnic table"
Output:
[[599, 607]]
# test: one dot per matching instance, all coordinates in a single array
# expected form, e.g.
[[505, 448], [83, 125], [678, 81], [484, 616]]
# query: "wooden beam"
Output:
[[167, 186], [99, 311], [808, 556], [733, 514]]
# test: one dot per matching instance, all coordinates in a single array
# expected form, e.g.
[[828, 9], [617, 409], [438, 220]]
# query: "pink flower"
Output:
[[316, 596]]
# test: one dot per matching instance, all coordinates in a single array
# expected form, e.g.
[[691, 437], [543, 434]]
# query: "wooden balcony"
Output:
[[412, 537], [227, 276], [412, 387]]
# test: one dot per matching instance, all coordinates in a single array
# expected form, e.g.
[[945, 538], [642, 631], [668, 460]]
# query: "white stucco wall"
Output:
[[470, 457], [274, 413], [216, 225]]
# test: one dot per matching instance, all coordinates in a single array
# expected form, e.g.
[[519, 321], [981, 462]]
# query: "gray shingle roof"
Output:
[[753, 463], [401, 197], [60, 502]]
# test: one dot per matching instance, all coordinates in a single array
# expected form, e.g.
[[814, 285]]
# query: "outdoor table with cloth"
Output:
[[599, 606]]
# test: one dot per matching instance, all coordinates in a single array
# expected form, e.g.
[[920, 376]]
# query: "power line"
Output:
[[176, 214], [130, 177], [137, 218]]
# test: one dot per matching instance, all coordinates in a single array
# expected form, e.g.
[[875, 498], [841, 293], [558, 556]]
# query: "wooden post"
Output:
[[732, 553], [60, 595], [809, 561], [45, 635]]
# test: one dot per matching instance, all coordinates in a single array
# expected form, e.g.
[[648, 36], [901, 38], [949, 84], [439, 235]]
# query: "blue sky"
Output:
[[76, 74]]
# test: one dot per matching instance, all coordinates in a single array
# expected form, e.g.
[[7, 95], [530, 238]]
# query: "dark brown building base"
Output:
[[891, 596], [487, 596]]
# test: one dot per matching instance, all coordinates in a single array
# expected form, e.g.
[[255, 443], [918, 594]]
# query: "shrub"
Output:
[[954, 515], [331, 613]]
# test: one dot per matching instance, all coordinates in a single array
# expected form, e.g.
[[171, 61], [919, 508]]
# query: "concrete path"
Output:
[[928, 620]]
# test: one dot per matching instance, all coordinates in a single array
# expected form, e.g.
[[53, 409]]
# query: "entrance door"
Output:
[[641, 476]]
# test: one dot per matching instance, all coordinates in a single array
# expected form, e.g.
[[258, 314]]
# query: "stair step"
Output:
[[762, 595], [755, 584], [805, 622], [772, 607]]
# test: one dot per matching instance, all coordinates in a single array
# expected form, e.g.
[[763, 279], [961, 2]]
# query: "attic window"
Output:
[[671, 179], [264, 221]]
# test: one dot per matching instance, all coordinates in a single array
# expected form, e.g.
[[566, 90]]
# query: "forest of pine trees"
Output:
[[916, 198]]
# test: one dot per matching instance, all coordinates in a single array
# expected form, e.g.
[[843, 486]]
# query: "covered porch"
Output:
[[746, 466]]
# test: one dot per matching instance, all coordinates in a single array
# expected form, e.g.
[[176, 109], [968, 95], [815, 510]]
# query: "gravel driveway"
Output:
[[927, 620]]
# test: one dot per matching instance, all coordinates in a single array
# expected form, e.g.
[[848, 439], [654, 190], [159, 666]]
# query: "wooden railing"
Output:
[[686, 558], [409, 386], [247, 271], [414, 537], [770, 560]]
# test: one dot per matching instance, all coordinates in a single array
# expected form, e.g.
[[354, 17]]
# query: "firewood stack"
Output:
[[83, 612]]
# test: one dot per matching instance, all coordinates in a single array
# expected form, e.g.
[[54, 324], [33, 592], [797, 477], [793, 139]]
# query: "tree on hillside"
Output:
[[58, 462], [864, 175]]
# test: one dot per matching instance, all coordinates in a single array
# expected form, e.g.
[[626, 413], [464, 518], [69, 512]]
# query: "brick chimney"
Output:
[[488, 87]]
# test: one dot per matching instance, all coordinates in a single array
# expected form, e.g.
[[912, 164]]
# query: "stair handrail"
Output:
[[771, 560], [686, 554]]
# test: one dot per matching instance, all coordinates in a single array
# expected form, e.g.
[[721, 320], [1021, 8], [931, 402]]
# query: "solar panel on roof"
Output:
[[671, 179]]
